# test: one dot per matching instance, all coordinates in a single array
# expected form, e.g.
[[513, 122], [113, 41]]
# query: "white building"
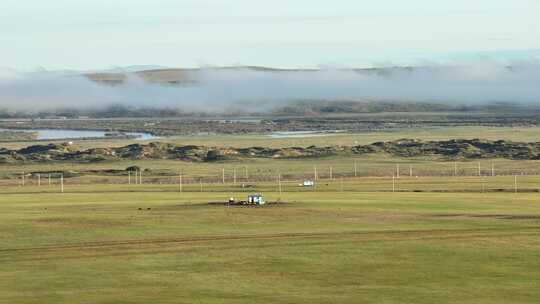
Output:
[[257, 199], [308, 183]]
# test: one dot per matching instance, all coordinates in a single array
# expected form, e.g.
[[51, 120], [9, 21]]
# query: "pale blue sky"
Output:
[[94, 34]]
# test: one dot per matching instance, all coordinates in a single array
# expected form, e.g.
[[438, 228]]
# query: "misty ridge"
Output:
[[259, 90]]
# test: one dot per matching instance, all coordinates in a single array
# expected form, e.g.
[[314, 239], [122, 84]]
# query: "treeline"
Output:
[[308, 108], [336, 107], [116, 111]]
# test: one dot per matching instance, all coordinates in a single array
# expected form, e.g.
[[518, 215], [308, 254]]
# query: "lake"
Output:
[[56, 134]]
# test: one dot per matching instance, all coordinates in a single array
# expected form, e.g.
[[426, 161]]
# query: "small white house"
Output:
[[308, 183], [257, 199]]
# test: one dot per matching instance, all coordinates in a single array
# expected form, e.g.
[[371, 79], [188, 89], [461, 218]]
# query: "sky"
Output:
[[101, 34]]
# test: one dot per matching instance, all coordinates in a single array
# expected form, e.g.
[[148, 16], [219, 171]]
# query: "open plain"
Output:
[[375, 227], [134, 247]]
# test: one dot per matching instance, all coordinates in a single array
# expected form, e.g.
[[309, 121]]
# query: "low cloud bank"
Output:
[[221, 90]]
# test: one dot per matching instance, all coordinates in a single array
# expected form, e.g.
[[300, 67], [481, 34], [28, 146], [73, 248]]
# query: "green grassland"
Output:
[[426, 237], [98, 246], [437, 184], [11, 136], [378, 165]]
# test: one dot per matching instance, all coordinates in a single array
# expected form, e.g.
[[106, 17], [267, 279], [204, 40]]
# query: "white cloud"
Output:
[[222, 90]]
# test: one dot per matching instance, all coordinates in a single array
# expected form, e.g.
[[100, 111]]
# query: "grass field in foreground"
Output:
[[324, 247]]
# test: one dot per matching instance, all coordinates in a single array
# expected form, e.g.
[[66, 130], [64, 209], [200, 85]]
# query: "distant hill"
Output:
[[183, 76]]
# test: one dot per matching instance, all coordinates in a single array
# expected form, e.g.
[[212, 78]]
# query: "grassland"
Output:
[[439, 184], [377, 165], [457, 239], [325, 247], [13, 136], [523, 134]]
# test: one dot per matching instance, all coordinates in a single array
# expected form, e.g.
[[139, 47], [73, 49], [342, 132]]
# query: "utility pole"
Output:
[[331, 173], [397, 171], [410, 170], [279, 182], [483, 185], [479, 169], [180, 182], [393, 183], [62, 183], [315, 173], [39, 180], [129, 177], [223, 175]]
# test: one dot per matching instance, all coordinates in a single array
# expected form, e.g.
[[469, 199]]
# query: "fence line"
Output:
[[287, 183]]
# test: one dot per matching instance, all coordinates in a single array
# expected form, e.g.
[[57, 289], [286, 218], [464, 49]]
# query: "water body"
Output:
[[56, 134]]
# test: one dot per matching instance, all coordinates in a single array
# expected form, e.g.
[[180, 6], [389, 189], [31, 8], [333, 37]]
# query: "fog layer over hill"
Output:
[[258, 90]]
